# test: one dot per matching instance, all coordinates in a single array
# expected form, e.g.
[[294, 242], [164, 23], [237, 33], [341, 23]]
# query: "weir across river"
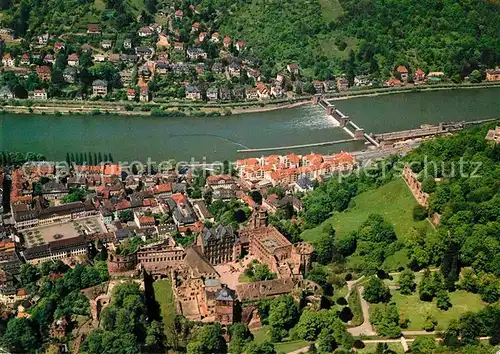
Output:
[[377, 140]]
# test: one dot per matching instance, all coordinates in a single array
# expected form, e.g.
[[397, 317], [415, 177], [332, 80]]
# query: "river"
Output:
[[218, 138]]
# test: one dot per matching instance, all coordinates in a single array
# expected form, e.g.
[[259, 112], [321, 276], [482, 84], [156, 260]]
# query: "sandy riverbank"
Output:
[[269, 107]]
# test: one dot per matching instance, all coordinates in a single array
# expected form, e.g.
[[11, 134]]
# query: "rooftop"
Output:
[[57, 232]]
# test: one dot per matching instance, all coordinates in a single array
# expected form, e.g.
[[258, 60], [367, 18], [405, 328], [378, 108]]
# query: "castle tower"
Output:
[[302, 256], [259, 218]]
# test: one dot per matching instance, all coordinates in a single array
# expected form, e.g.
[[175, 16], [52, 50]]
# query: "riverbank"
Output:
[[270, 107], [180, 108], [140, 136], [397, 90]]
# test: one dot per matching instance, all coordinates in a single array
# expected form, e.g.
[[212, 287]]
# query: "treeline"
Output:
[[60, 297], [455, 37], [451, 36], [9, 158], [466, 196], [124, 326], [91, 159]]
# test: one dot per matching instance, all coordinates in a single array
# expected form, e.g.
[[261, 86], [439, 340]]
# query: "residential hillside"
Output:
[[451, 36]]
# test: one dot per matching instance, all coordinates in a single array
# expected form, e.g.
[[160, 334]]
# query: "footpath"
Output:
[[366, 328]]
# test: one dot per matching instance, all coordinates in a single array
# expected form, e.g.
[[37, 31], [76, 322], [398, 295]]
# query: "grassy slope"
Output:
[[165, 297], [393, 201]]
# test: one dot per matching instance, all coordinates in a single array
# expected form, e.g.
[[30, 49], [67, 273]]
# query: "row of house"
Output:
[[289, 169]]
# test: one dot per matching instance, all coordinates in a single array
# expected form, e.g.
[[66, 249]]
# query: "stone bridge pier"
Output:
[[359, 133]]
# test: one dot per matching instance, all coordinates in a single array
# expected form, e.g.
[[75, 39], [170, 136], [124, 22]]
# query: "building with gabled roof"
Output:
[[217, 244]]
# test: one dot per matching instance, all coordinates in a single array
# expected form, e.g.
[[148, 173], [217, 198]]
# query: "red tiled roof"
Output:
[[43, 69], [113, 169], [122, 204], [293, 158], [179, 198], [162, 188], [147, 220], [402, 69], [218, 178]]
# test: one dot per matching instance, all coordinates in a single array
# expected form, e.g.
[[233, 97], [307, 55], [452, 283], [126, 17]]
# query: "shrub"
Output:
[[419, 213], [430, 323], [376, 291]]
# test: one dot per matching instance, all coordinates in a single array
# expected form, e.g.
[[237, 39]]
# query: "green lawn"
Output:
[[165, 297], [99, 5], [243, 278], [331, 9], [393, 201], [287, 347], [411, 307], [329, 48], [262, 335]]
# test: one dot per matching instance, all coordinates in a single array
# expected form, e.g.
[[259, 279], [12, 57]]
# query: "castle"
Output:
[[265, 243], [199, 293]]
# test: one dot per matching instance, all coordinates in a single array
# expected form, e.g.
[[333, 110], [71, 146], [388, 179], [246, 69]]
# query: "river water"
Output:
[[218, 138]]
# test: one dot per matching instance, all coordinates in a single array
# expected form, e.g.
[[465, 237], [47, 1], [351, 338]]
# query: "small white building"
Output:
[[40, 95]]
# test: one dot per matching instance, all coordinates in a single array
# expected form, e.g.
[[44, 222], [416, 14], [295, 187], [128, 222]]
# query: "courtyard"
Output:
[[231, 272], [55, 232]]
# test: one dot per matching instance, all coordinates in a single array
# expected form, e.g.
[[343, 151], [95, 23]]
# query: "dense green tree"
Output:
[[326, 342], [100, 341], [265, 347], [475, 76], [426, 288], [262, 272], [443, 300], [376, 291], [283, 314], [451, 335], [309, 326], [324, 247], [20, 336], [419, 213], [424, 345], [387, 321], [28, 274], [430, 323], [125, 215], [406, 282], [207, 339], [450, 266]]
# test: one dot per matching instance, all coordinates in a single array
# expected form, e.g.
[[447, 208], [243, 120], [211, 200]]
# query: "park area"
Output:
[[416, 310], [393, 201]]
